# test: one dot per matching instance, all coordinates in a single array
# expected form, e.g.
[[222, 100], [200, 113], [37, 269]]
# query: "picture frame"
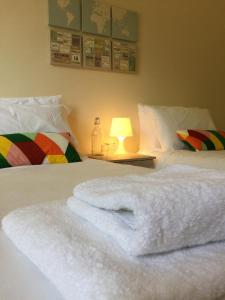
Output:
[[97, 53], [96, 17], [124, 24], [66, 48], [65, 14], [124, 56]]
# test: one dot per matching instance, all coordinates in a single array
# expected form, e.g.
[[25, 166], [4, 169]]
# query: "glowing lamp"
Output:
[[121, 128]]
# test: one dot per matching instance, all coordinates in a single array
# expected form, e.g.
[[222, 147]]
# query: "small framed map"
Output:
[[124, 24], [124, 57], [97, 53], [96, 17], [65, 14], [66, 48]]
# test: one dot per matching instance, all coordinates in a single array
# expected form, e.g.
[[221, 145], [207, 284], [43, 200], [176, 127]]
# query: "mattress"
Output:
[[23, 186], [203, 159]]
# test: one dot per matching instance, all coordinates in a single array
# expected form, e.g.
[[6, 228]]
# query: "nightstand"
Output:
[[129, 159]]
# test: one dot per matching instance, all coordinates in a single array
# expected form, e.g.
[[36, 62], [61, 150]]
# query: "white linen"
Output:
[[163, 122], [32, 100], [8, 121], [149, 140], [176, 207], [46, 118], [20, 279], [33, 114], [86, 265], [24, 186], [203, 159]]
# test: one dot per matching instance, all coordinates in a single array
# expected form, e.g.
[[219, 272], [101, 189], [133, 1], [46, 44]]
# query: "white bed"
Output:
[[158, 126], [190, 274], [203, 159], [20, 279], [23, 186]]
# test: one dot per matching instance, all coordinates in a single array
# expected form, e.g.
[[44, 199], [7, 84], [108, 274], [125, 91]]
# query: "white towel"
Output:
[[173, 208], [84, 264]]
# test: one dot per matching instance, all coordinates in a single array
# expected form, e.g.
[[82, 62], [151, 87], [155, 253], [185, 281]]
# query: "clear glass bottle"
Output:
[[96, 138]]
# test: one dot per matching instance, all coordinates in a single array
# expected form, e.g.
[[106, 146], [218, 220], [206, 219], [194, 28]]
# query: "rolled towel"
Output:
[[177, 207]]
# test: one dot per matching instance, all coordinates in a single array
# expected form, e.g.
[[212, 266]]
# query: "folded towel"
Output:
[[84, 264], [177, 207]]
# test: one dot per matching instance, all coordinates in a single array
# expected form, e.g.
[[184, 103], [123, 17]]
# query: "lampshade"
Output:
[[121, 127]]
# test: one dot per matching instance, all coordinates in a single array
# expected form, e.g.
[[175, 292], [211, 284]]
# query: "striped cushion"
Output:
[[200, 140], [36, 148]]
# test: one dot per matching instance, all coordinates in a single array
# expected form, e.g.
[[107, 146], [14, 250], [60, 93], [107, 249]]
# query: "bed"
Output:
[[158, 128], [204, 159], [98, 267], [20, 279]]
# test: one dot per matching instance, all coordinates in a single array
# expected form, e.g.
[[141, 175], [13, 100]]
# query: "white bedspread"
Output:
[[20, 187], [176, 207], [85, 265], [203, 159]]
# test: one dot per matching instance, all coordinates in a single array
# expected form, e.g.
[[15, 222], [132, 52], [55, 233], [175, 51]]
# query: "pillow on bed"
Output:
[[49, 118], [32, 114], [149, 140], [32, 100], [167, 120], [8, 121], [36, 148], [200, 140]]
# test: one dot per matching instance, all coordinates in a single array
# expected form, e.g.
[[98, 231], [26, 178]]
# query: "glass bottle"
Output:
[[96, 138]]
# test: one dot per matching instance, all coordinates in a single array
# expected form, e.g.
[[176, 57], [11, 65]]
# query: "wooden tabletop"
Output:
[[123, 157]]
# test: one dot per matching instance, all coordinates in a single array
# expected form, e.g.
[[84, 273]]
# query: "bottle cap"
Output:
[[97, 121]]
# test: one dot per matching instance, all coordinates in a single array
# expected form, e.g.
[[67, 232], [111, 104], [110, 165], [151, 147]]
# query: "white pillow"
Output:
[[167, 120], [149, 140], [8, 120], [32, 100], [47, 118]]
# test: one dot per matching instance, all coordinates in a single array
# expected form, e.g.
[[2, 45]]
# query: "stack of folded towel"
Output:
[[176, 207]]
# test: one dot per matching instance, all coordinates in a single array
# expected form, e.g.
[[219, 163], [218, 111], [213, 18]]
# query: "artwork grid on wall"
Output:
[[97, 53], [105, 41], [124, 56], [96, 17], [65, 14], [66, 48]]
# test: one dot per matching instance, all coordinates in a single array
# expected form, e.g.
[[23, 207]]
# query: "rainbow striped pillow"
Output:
[[20, 149], [200, 140]]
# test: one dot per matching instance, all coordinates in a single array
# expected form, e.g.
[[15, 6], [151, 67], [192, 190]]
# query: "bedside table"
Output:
[[129, 159]]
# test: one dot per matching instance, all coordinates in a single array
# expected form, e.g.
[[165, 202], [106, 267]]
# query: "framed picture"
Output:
[[96, 17], [97, 53], [66, 48], [65, 14], [124, 24], [124, 57]]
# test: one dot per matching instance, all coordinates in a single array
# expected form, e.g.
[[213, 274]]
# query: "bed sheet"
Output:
[[20, 187], [203, 159]]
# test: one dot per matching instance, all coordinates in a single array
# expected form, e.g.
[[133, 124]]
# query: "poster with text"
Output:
[[97, 53], [124, 57], [66, 48]]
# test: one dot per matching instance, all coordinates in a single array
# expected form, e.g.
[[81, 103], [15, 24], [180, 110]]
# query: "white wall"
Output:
[[181, 62]]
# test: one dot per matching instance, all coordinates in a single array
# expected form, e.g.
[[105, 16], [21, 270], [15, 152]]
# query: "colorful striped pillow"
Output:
[[20, 149], [200, 140]]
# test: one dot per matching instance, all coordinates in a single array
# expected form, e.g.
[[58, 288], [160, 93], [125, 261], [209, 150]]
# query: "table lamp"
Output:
[[121, 128]]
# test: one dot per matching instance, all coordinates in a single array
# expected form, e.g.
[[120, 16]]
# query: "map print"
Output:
[[96, 17], [124, 24], [65, 13]]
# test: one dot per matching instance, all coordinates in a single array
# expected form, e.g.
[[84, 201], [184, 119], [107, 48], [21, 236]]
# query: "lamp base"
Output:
[[120, 148]]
